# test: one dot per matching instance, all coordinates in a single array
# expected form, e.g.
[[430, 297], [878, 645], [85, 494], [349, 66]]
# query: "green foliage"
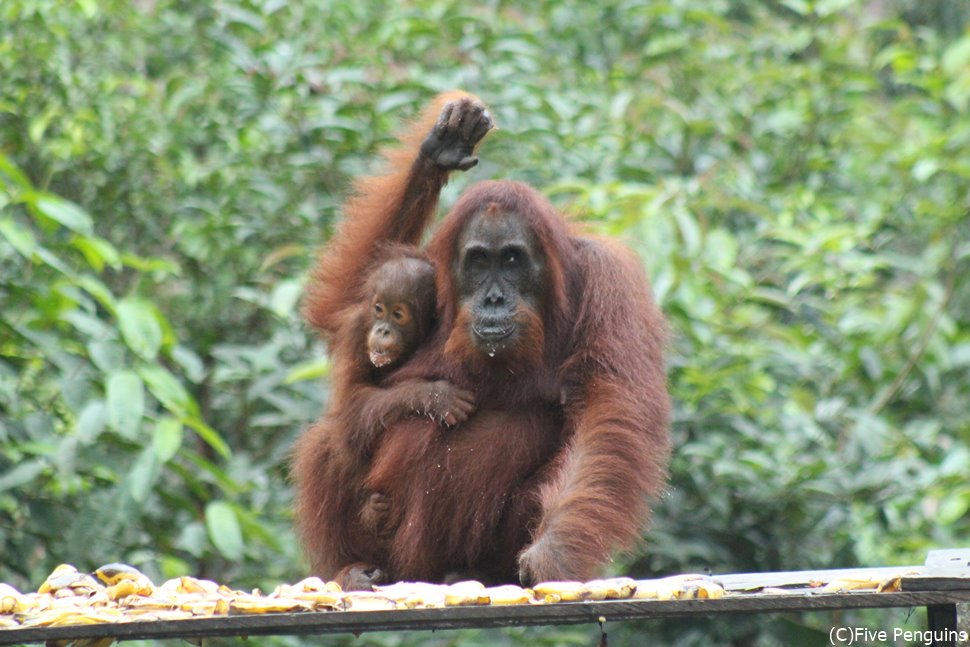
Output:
[[794, 175]]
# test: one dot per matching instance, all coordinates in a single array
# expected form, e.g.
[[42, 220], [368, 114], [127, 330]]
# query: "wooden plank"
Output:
[[937, 580], [915, 578], [963, 622], [802, 579], [482, 616], [950, 558]]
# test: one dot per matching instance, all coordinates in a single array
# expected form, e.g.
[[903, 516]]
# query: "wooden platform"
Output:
[[942, 585]]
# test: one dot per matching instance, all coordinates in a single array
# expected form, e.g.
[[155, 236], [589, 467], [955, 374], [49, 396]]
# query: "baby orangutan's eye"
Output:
[[401, 315]]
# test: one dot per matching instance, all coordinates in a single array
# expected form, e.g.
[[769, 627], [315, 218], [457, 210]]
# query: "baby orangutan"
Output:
[[401, 310], [392, 315], [402, 313]]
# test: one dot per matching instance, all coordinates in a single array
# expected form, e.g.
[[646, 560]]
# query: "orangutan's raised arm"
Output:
[[395, 207]]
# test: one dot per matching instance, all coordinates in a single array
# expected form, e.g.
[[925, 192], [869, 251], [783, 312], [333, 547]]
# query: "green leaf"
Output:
[[169, 391], [22, 474], [156, 266], [924, 169], [956, 58], [190, 363], [175, 398], [99, 291], [313, 369], [689, 230], [108, 356], [66, 213], [126, 403], [224, 530], [285, 297], [20, 238], [98, 252], [664, 44], [210, 472], [142, 476], [210, 436], [829, 7], [66, 459], [39, 123], [801, 7], [953, 507], [139, 327], [89, 7], [172, 566], [192, 539], [52, 260], [281, 254], [91, 422], [255, 527], [13, 174], [167, 439]]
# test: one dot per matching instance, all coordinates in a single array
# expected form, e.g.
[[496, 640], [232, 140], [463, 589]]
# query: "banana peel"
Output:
[[469, 593], [508, 594], [679, 587]]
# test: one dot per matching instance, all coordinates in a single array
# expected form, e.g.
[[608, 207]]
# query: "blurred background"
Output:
[[795, 175]]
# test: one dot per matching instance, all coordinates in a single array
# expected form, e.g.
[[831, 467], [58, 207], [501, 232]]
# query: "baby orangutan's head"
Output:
[[402, 309]]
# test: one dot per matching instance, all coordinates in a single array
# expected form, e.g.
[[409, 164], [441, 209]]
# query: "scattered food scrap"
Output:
[[116, 593]]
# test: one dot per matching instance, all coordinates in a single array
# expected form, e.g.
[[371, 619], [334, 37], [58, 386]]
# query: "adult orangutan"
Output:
[[557, 337]]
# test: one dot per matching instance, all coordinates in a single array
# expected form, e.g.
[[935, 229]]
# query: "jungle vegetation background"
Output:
[[794, 173]]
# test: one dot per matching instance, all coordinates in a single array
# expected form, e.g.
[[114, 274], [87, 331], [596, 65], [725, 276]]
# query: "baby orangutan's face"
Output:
[[393, 333], [400, 311]]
